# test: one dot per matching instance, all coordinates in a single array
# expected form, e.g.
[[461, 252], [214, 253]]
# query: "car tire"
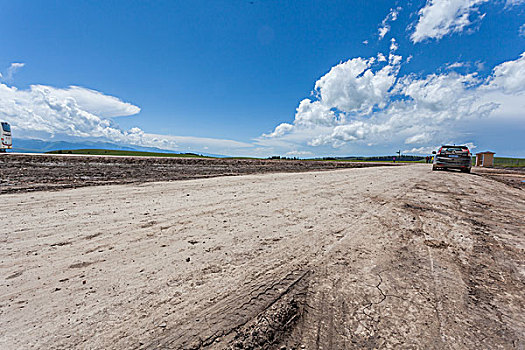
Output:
[[434, 168], [465, 170]]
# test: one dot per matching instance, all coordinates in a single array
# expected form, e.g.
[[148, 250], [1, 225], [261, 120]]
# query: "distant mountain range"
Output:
[[41, 146]]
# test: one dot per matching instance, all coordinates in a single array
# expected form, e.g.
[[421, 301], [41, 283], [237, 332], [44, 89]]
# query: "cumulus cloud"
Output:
[[441, 17], [521, 31], [351, 86], [49, 110], [78, 113], [280, 130], [509, 76], [367, 102]]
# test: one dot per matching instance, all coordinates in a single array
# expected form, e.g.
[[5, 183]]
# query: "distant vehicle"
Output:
[[5, 137], [452, 157]]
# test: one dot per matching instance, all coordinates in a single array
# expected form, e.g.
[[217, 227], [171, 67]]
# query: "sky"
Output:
[[266, 77]]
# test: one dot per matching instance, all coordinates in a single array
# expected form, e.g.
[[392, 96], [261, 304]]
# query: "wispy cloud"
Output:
[[511, 3], [384, 28], [13, 68]]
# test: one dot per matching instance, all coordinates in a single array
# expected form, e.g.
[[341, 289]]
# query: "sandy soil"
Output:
[[386, 257]]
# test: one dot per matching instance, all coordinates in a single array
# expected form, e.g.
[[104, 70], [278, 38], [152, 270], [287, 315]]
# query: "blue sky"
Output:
[[264, 77]]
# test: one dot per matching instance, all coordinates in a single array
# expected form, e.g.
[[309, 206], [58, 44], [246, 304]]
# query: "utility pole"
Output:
[[399, 153]]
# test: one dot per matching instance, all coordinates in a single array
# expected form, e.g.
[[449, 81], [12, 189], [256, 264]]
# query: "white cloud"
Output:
[[509, 76], [418, 138], [383, 31], [280, 130], [441, 17], [393, 45], [510, 3], [77, 113], [92, 101], [313, 113], [420, 150], [521, 31], [384, 28], [13, 68], [455, 65], [410, 109], [352, 86], [299, 154]]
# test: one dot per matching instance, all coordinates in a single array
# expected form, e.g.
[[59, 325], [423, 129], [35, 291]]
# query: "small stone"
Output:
[[187, 259]]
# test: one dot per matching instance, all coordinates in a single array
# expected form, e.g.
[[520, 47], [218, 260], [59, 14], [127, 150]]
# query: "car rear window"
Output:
[[454, 149]]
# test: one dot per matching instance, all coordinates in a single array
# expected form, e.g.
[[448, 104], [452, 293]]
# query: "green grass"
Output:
[[106, 152], [505, 162], [509, 162]]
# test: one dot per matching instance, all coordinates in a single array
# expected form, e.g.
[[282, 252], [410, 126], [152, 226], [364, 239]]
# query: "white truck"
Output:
[[6, 142]]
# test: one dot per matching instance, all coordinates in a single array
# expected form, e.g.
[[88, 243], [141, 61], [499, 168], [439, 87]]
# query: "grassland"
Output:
[[509, 162], [505, 162]]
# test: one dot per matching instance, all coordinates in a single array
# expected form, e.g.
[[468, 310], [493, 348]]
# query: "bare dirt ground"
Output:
[[384, 257], [37, 172], [511, 176]]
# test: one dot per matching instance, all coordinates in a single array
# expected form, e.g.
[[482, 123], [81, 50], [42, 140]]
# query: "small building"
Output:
[[485, 159]]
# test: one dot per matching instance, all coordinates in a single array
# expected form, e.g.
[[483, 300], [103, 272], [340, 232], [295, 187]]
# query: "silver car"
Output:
[[452, 157]]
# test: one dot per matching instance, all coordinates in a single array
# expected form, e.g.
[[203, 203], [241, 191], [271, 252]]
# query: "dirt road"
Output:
[[387, 257]]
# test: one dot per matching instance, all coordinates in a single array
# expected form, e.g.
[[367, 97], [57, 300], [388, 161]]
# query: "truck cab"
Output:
[[6, 142]]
